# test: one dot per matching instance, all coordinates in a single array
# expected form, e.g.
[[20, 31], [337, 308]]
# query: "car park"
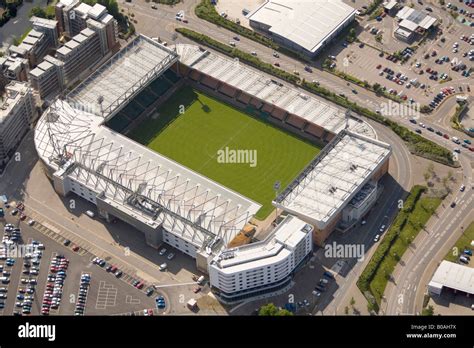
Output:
[[320, 288]]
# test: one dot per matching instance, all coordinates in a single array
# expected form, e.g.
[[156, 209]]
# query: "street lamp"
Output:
[[276, 187]]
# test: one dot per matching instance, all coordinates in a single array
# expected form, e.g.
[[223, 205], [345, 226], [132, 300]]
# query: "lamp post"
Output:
[[276, 187]]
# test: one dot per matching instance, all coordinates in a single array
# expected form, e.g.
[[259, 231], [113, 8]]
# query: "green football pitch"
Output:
[[199, 137]]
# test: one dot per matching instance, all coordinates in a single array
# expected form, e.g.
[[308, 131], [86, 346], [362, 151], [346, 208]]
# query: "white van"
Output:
[[90, 213], [200, 280]]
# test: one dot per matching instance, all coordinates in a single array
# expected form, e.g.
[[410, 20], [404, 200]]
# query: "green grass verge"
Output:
[[418, 208], [456, 119], [417, 144], [208, 125], [463, 242]]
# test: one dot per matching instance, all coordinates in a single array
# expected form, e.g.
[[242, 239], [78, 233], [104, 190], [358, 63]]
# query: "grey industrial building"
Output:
[[302, 26]]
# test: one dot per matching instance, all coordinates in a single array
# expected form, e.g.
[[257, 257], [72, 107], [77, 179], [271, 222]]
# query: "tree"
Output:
[[268, 310], [284, 313], [428, 311], [427, 176], [346, 310], [450, 175], [272, 310], [431, 169], [352, 302]]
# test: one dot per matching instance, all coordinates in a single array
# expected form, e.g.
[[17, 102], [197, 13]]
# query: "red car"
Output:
[[379, 66], [22, 217], [471, 149], [150, 311], [196, 289], [140, 285], [75, 248], [446, 136]]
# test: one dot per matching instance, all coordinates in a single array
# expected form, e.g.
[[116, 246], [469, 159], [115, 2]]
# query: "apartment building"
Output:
[[48, 78], [13, 67], [93, 34], [42, 38], [78, 54], [17, 110], [266, 266], [74, 16]]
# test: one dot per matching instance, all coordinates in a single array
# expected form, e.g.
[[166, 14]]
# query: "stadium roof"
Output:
[[417, 18], [454, 276], [333, 178], [306, 23], [276, 247], [71, 139], [124, 73], [271, 90]]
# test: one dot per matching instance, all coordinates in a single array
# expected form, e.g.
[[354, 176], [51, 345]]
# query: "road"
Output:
[[387, 208], [418, 264]]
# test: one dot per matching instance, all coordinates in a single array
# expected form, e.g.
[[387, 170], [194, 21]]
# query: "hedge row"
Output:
[[390, 237], [205, 10], [416, 143]]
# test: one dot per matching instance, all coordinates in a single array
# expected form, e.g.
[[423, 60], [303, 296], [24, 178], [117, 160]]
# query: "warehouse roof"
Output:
[[306, 23], [333, 178], [454, 276]]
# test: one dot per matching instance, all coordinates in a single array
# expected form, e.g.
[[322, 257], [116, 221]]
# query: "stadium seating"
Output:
[[160, 86], [171, 76], [132, 110], [118, 122], [142, 101]]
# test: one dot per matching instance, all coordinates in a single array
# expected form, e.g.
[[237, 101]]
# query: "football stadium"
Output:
[[154, 137]]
